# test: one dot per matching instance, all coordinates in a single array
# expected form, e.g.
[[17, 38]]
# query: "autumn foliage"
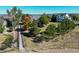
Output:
[[27, 19]]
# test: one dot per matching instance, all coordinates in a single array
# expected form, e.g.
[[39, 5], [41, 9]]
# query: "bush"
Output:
[[65, 26], [75, 17], [1, 28], [34, 31], [41, 38], [7, 43], [51, 30], [38, 39]]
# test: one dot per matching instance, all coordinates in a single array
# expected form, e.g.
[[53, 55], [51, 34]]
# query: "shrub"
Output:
[[75, 17], [65, 26], [1, 28], [41, 38], [34, 31], [38, 39], [51, 30], [7, 43]]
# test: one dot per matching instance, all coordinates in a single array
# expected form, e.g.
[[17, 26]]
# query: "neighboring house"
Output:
[[60, 17], [68, 16]]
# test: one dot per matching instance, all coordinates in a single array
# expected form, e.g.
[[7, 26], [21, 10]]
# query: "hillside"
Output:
[[68, 41]]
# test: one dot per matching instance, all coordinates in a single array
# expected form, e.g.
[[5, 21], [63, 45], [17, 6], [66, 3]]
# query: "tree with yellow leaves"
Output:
[[27, 20]]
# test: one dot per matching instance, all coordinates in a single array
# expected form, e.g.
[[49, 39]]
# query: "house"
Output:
[[60, 17]]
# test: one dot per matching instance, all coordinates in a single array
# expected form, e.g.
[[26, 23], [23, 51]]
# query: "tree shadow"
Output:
[[26, 34], [20, 30]]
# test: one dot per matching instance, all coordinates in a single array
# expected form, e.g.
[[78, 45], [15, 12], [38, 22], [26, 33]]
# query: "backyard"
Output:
[[20, 32]]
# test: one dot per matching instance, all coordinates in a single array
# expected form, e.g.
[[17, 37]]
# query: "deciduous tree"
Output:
[[43, 20], [27, 20]]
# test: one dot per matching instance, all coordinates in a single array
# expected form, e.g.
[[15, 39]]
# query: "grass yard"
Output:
[[44, 28]]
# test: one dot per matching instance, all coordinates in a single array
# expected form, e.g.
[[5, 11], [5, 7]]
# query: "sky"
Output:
[[42, 9]]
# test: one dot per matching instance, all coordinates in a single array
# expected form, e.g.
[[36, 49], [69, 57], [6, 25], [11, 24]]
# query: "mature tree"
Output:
[[34, 23], [27, 20], [15, 16], [12, 14], [53, 18], [43, 20], [34, 28], [19, 16]]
